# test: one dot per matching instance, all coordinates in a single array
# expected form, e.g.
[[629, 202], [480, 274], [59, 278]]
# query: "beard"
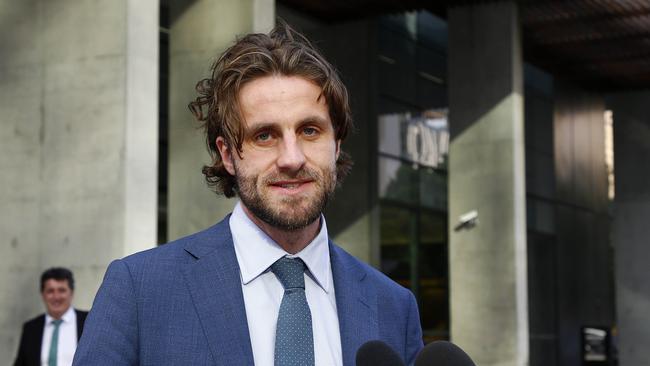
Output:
[[289, 213]]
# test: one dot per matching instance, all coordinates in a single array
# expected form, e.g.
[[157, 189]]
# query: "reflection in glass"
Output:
[[397, 180], [395, 225], [412, 145], [413, 219], [423, 139], [433, 189], [433, 275]]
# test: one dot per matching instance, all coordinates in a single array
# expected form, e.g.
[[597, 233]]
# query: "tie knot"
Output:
[[289, 272], [57, 322]]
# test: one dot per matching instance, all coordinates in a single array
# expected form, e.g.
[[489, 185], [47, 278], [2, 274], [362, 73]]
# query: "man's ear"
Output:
[[226, 155]]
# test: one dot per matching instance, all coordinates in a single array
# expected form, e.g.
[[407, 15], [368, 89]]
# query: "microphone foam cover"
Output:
[[443, 353], [377, 353]]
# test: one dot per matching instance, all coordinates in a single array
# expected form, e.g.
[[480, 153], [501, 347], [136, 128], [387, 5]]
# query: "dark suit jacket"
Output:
[[182, 304], [29, 350]]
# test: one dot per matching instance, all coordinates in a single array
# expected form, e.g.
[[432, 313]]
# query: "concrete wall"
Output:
[[584, 277], [488, 263], [630, 227], [199, 31], [78, 145]]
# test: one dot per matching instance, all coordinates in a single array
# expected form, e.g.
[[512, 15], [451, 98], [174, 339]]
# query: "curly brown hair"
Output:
[[283, 51]]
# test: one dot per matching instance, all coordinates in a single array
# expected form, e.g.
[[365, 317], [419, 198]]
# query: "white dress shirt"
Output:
[[256, 252], [67, 343]]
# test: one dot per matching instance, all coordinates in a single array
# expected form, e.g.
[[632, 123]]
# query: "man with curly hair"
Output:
[[265, 286]]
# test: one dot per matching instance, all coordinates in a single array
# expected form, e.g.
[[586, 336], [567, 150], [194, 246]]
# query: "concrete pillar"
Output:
[[78, 147], [630, 228], [488, 263], [584, 278], [199, 31]]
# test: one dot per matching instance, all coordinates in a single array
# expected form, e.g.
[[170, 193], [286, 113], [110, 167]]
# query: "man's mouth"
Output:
[[290, 184]]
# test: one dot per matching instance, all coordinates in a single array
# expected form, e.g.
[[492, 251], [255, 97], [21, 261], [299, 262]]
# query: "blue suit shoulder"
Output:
[[179, 251], [393, 306], [136, 296]]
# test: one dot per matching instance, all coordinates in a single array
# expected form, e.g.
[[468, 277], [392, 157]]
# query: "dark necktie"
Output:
[[54, 344], [294, 340]]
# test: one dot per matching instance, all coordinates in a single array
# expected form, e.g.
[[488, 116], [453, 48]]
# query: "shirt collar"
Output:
[[256, 251], [67, 317]]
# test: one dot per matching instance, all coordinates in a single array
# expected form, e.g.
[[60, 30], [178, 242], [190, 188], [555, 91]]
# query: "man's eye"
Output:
[[264, 136], [310, 131]]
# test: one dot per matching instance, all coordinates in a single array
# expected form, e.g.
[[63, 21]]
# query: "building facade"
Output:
[[480, 181]]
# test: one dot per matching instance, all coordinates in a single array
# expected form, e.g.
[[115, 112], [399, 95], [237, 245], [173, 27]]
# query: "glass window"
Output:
[[397, 180], [433, 189], [412, 146], [413, 211], [433, 274], [395, 245]]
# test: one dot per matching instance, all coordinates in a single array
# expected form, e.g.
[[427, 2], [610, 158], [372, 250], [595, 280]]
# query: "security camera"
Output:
[[467, 220]]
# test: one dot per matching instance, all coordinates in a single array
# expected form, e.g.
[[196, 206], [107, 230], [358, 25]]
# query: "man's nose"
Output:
[[291, 156]]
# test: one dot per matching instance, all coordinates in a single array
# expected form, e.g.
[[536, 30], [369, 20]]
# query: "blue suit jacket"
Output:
[[182, 304]]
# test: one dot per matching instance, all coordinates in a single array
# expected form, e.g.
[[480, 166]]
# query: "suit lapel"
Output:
[[215, 286], [37, 340], [356, 304], [81, 318]]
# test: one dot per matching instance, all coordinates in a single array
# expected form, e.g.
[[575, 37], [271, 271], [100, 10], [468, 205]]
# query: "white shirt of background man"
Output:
[[67, 343]]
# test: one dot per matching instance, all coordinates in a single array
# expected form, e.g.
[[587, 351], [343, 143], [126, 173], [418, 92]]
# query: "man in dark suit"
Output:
[[265, 286], [52, 337]]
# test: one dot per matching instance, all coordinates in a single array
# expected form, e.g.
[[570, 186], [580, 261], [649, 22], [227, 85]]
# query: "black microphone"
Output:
[[377, 353], [443, 353]]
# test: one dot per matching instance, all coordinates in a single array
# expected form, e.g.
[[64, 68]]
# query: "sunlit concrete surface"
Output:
[[78, 145], [487, 262]]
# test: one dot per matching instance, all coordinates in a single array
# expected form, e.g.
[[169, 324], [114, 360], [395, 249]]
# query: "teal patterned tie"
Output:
[[294, 339], [51, 360]]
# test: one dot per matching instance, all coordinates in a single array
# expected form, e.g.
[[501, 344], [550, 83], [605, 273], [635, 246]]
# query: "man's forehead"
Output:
[[53, 282], [271, 87], [279, 99]]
